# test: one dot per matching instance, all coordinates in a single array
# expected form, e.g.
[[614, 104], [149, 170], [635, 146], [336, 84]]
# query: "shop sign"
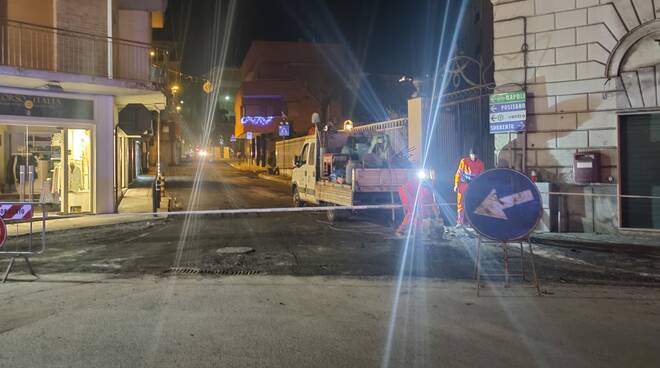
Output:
[[257, 120], [508, 112], [46, 106]]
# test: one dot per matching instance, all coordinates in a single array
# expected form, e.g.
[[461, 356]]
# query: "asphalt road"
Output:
[[303, 244], [220, 186], [269, 321], [313, 294]]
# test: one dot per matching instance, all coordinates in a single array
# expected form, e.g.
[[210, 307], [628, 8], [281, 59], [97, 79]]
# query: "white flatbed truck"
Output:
[[361, 186]]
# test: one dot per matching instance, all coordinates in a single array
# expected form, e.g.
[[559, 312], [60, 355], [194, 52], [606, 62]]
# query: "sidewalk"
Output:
[[244, 166], [617, 243], [135, 206], [81, 222]]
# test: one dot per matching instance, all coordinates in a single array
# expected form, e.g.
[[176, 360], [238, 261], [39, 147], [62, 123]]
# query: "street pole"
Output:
[[158, 145]]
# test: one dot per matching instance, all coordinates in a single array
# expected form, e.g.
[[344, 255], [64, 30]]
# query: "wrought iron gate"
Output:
[[461, 119]]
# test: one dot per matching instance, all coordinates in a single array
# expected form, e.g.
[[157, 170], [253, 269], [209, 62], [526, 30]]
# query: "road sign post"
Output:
[[504, 206]]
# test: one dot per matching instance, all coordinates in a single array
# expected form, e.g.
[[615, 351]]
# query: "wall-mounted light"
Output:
[[152, 53], [174, 89], [348, 125]]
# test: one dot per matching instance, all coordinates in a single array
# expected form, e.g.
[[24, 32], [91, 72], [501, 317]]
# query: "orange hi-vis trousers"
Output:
[[460, 205]]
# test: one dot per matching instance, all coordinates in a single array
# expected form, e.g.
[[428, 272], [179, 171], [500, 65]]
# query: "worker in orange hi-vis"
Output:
[[468, 169], [418, 202]]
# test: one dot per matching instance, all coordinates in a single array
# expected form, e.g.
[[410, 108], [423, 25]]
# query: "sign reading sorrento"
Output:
[[508, 112]]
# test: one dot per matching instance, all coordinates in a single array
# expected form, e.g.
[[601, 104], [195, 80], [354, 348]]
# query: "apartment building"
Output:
[[288, 82], [590, 69], [67, 70]]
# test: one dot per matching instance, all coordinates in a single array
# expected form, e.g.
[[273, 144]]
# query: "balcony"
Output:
[[30, 46]]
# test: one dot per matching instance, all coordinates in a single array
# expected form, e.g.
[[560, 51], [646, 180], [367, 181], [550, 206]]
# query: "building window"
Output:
[[262, 106]]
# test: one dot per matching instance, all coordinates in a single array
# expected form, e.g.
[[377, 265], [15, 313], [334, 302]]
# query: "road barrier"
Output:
[[21, 214]]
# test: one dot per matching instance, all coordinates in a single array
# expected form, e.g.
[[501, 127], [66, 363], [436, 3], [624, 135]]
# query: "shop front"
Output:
[[47, 151]]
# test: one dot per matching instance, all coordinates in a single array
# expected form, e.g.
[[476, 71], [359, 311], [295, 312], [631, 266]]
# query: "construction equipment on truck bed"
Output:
[[348, 168]]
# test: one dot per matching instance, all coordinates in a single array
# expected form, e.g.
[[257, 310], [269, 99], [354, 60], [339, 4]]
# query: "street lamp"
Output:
[[175, 89], [227, 98], [178, 108]]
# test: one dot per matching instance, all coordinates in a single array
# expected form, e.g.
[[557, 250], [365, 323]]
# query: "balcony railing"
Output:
[[30, 46]]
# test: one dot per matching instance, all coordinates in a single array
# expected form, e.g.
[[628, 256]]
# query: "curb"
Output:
[[237, 167], [159, 217], [598, 246], [274, 178]]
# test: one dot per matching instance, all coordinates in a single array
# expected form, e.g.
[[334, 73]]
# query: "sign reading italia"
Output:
[[46, 106], [508, 112]]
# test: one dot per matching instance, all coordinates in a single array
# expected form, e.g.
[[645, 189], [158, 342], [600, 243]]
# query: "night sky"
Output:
[[386, 36]]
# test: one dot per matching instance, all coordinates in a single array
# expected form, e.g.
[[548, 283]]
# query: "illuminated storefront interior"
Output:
[[59, 166]]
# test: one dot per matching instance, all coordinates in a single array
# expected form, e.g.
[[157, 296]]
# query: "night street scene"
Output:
[[329, 183]]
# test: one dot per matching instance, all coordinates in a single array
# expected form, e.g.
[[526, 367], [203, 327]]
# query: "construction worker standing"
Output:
[[468, 169], [418, 200]]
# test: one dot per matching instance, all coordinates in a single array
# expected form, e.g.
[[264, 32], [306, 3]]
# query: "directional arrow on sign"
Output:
[[494, 207]]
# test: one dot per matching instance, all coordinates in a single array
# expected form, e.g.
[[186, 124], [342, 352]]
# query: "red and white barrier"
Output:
[[16, 211]]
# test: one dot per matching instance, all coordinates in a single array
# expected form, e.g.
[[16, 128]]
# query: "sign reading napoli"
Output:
[[508, 112]]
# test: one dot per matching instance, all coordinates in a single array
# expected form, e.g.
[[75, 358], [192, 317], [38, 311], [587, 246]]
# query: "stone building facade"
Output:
[[590, 67]]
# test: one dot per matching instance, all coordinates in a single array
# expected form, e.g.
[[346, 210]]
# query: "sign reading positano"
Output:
[[508, 112]]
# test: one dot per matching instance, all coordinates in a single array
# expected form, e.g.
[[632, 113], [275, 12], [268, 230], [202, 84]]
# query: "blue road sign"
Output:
[[511, 126], [503, 204], [284, 130], [508, 107]]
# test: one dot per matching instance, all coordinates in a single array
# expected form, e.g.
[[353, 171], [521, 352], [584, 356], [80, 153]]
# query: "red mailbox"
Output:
[[586, 167]]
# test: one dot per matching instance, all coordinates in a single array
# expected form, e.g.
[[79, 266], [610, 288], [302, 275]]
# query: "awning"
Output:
[[135, 119]]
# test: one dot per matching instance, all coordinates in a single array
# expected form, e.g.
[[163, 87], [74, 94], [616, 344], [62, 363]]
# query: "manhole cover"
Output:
[[234, 250]]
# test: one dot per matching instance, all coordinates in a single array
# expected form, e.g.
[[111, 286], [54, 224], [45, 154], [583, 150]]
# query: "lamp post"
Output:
[[158, 146]]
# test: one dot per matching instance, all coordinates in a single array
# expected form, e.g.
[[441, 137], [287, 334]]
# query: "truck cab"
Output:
[[303, 176]]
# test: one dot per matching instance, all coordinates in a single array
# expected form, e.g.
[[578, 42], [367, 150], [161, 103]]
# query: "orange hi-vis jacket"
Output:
[[467, 171]]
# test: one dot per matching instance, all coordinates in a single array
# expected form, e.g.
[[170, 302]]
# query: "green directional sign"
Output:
[[509, 97]]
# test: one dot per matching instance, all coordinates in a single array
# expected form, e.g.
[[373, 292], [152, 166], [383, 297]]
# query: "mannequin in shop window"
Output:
[[17, 160], [75, 178]]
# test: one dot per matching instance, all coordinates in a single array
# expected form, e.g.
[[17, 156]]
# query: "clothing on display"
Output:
[[76, 183]]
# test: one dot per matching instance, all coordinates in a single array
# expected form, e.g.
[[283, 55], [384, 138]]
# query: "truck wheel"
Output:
[[337, 215], [297, 202]]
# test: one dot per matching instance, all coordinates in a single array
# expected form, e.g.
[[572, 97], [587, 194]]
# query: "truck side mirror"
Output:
[[296, 161]]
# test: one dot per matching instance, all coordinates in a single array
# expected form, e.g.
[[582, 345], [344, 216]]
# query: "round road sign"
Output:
[[503, 204], [3, 232]]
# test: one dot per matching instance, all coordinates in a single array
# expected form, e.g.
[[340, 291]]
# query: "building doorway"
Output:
[[639, 165]]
